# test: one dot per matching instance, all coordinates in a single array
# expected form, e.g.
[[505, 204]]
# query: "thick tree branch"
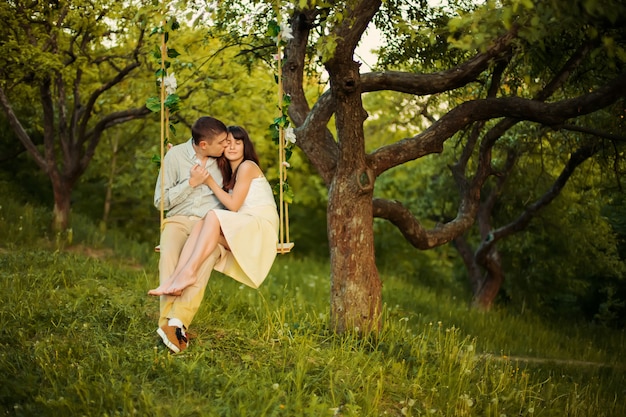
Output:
[[351, 28], [557, 81], [424, 84], [88, 108], [414, 232], [19, 130], [550, 114], [313, 136]]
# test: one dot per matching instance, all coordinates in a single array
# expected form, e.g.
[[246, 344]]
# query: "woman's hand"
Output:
[[210, 182], [198, 175]]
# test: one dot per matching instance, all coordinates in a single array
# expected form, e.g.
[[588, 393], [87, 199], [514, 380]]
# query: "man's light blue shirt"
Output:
[[180, 198]]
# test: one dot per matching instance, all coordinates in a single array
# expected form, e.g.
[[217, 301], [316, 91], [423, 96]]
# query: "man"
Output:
[[187, 199]]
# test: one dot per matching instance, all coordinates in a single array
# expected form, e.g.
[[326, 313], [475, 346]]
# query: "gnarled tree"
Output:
[[70, 60], [455, 56]]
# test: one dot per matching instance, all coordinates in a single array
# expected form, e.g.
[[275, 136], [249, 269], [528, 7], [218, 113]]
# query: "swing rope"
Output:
[[284, 245], [164, 122], [164, 119]]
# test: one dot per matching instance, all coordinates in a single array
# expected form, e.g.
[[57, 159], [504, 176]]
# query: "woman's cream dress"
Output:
[[252, 235]]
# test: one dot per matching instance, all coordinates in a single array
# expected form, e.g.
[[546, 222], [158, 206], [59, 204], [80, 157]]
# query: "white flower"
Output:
[[285, 31], [290, 135], [169, 81], [286, 164], [468, 401]]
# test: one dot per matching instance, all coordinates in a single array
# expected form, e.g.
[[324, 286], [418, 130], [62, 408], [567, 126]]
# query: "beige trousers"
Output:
[[184, 307]]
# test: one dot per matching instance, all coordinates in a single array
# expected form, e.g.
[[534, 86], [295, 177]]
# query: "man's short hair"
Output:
[[207, 128]]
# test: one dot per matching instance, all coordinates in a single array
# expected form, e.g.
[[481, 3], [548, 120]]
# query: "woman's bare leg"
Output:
[[202, 246], [185, 254]]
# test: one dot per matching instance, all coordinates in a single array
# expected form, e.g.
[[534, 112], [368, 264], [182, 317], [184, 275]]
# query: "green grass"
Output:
[[77, 338]]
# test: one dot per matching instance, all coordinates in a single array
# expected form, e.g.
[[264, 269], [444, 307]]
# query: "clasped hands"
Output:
[[198, 175]]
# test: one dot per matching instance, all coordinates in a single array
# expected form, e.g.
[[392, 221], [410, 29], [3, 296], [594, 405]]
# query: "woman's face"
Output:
[[234, 150]]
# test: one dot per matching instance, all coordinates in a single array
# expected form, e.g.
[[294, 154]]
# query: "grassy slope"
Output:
[[77, 338]]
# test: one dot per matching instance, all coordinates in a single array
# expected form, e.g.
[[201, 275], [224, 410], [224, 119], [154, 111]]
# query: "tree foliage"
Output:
[[66, 61]]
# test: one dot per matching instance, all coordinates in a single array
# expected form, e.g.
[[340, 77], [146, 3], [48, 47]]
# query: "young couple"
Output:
[[221, 215]]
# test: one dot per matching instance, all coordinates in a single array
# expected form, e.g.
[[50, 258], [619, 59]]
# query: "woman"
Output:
[[248, 228]]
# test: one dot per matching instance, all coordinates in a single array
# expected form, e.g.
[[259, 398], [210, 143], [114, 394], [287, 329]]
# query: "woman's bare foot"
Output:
[[162, 289], [180, 284], [157, 291], [174, 293]]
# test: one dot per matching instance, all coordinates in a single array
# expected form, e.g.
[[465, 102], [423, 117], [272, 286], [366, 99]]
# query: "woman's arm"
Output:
[[245, 174]]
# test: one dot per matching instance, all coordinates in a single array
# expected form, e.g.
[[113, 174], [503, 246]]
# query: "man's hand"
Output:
[[197, 175]]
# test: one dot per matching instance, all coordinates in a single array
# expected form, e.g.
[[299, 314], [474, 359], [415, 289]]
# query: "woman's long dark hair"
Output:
[[249, 154]]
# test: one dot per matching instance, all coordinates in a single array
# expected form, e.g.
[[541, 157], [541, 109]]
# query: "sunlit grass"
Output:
[[503, 332], [77, 337]]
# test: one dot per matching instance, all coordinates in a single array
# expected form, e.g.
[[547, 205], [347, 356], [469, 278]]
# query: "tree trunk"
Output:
[[109, 190], [356, 289], [485, 275], [490, 283], [62, 205]]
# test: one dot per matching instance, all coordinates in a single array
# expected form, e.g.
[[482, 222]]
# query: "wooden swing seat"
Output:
[[284, 247], [280, 247]]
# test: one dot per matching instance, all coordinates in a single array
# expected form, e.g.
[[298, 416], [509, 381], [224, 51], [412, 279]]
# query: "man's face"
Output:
[[216, 147]]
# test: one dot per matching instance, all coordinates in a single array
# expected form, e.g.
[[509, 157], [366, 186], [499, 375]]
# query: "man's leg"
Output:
[[185, 306], [176, 229]]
